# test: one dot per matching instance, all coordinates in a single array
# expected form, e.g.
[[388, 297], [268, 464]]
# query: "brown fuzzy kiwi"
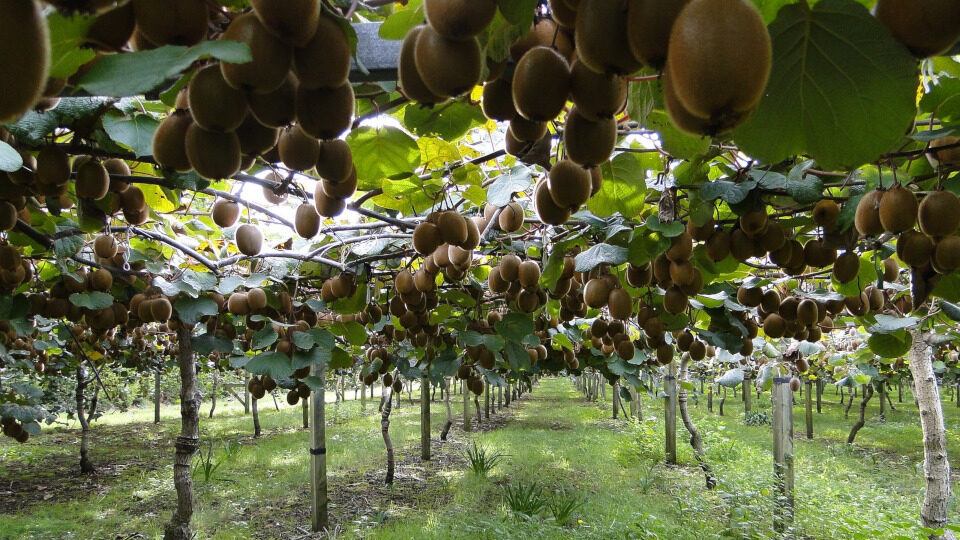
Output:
[[249, 240], [105, 246], [298, 151], [93, 181], [53, 166], [341, 190], [214, 104], [411, 83], [161, 310], [324, 61], [867, 219], [328, 207], [701, 233], [100, 280], [541, 82], [718, 246], [275, 108], [271, 57], [569, 184], [547, 210], [898, 210], [423, 281], [719, 57], [947, 157], [448, 67], [562, 13], [256, 138], [325, 113], [510, 267], [687, 121], [459, 19], [497, 284], [947, 254], [915, 248], [620, 304], [596, 293], [292, 21], [926, 27], [825, 213], [527, 130], [307, 221], [847, 267], [808, 312], [601, 37], [453, 227], [10, 258], [497, 101], [875, 298], [237, 304], [426, 238], [117, 167], [750, 296], [639, 276], [176, 22], [473, 234], [774, 326], [754, 223], [169, 147], [891, 270], [682, 273], [225, 213], [212, 154], [511, 217], [648, 28], [256, 299], [543, 33], [529, 274], [939, 214], [588, 142], [335, 162], [460, 258], [111, 31]]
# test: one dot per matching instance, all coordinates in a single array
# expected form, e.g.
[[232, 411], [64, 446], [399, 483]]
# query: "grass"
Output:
[[605, 475]]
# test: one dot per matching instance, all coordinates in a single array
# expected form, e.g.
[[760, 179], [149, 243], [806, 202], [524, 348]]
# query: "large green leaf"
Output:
[[92, 300], [403, 19], [890, 345], [207, 343], [135, 133], [842, 89], [10, 159], [380, 153], [518, 11], [132, 74], [601, 254], [190, 310], [67, 33], [515, 327], [675, 142], [624, 187], [449, 121], [274, 364], [517, 179]]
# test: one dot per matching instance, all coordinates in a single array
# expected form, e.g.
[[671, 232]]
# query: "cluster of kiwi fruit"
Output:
[[688, 343], [249, 238], [564, 190], [673, 272], [604, 290], [649, 320], [473, 379], [519, 282], [510, 219], [411, 306], [150, 308], [446, 241], [343, 285], [14, 269], [569, 288], [611, 337], [802, 319]]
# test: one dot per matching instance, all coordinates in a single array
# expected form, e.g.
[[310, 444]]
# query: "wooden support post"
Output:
[[306, 413], [710, 398], [882, 389], [747, 387], [213, 394], [256, 419], [783, 453], [809, 408], [156, 394], [819, 396], [670, 413], [616, 399], [466, 410], [318, 456], [246, 393], [425, 418], [363, 397]]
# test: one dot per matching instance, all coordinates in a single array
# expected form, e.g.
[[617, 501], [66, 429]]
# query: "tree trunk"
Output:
[[486, 400], [246, 393], [445, 391], [867, 394], [385, 431], [846, 412], [306, 413], [809, 408], [156, 394], [670, 413], [363, 397], [213, 395], [723, 399], [466, 410], [936, 462], [189, 440], [476, 404], [256, 419], [746, 394], [319, 517], [696, 442], [710, 398], [86, 467], [424, 418], [819, 396], [881, 389], [616, 399]]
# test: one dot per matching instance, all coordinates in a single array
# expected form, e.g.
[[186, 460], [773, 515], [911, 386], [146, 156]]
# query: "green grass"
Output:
[[553, 438]]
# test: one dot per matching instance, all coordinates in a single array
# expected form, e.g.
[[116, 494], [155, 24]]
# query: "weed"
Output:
[[562, 505], [482, 461], [205, 463], [649, 478], [757, 418], [524, 499]]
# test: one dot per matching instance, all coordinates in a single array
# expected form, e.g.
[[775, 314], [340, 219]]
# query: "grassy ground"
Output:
[[552, 438]]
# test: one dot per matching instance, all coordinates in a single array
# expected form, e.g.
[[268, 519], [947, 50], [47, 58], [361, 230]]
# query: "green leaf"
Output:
[[353, 304], [842, 89], [890, 345], [313, 382], [354, 332], [10, 159], [274, 364], [514, 327], [943, 99], [134, 133], [66, 36], [601, 254], [668, 230], [501, 191], [340, 359], [517, 356], [950, 309], [640, 101], [207, 343], [624, 186], [402, 20], [646, 245], [730, 192], [32, 127], [264, 337], [382, 153], [132, 74], [675, 142], [887, 324], [92, 300], [518, 11], [315, 355], [448, 121], [13, 307], [191, 310]]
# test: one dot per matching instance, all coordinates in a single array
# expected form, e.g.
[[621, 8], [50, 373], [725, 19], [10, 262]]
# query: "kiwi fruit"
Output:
[[111, 30], [169, 148], [529, 274], [249, 240], [212, 154], [174, 22], [105, 246], [511, 217], [459, 19], [563, 13], [596, 293], [596, 95], [100, 280], [426, 238], [750, 296], [719, 58], [225, 213], [53, 166], [898, 210], [569, 184], [867, 219], [214, 104], [510, 267], [292, 21], [335, 162], [298, 151], [754, 223], [256, 138], [543, 33], [718, 246], [497, 101], [328, 207], [948, 157], [271, 57], [847, 267], [588, 142], [639, 276], [117, 167], [452, 227], [24, 56], [307, 221], [925, 27], [808, 312], [447, 67], [620, 304], [825, 213], [473, 234], [325, 113], [601, 37], [340, 190], [324, 61], [275, 108], [93, 181], [527, 130], [947, 254], [690, 123], [497, 284], [411, 83], [915, 248], [541, 83], [774, 326], [161, 310], [939, 214], [648, 29]]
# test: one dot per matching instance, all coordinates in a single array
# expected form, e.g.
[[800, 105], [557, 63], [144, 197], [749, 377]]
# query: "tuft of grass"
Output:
[[525, 499], [482, 460], [563, 504], [206, 467]]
